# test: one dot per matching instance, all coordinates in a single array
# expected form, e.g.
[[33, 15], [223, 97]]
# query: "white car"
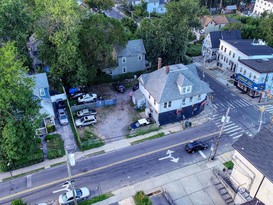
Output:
[[62, 117], [86, 120], [140, 123], [86, 112], [86, 98], [80, 194]]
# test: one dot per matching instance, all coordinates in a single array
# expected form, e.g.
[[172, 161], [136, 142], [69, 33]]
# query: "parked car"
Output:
[[86, 112], [60, 104], [119, 87], [86, 120], [80, 194], [76, 95], [140, 123], [135, 87], [196, 146], [62, 117], [87, 98]]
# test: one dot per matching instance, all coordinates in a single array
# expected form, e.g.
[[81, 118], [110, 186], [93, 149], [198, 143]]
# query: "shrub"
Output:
[[50, 137], [96, 199], [55, 146], [50, 128], [141, 199], [89, 141], [18, 202]]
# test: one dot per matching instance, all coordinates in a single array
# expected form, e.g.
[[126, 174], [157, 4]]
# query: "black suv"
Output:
[[196, 146]]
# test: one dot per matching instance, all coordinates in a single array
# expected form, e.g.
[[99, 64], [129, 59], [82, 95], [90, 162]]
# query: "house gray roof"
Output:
[[249, 48], [133, 47], [260, 65], [258, 151], [162, 85], [215, 36]]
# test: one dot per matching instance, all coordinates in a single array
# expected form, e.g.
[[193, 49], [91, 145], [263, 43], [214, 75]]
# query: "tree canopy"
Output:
[[167, 37], [19, 111]]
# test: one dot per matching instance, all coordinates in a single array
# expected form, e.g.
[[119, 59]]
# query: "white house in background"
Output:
[[253, 167], [41, 92], [212, 41], [254, 76], [262, 6], [230, 51], [157, 6], [172, 93]]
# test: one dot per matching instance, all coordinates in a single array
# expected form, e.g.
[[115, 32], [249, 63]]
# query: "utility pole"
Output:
[[204, 65], [262, 109], [225, 119], [70, 161]]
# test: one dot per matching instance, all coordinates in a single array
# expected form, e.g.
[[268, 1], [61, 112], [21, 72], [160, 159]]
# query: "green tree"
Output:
[[266, 29], [167, 37], [130, 26], [18, 202], [98, 37], [100, 4], [18, 109], [58, 24], [15, 23]]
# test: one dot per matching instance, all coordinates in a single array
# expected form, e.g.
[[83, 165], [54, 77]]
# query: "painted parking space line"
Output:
[[202, 154]]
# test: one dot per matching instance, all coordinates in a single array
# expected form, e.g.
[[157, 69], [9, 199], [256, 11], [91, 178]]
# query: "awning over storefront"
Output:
[[249, 83]]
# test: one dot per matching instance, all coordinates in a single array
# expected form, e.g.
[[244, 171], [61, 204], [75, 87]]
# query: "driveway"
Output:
[[113, 121]]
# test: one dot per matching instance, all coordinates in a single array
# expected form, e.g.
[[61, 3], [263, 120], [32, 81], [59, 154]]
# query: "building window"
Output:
[[225, 49], [262, 79], [254, 77], [165, 105], [241, 69], [183, 101], [184, 90], [221, 47], [169, 103], [229, 53], [222, 57], [188, 89], [199, 97], [250, 75], [123, 59], [124, 69], [139, 57], [190, 99], [42, 92], [233, 56], [149, 96], [244, 72], [154, 102]]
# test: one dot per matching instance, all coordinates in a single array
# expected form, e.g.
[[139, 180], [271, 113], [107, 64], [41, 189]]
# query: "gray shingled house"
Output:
[[130, 59], [252, 174], [172, 93]]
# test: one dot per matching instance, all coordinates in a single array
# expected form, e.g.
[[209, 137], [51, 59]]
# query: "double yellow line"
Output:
[[101, 168]]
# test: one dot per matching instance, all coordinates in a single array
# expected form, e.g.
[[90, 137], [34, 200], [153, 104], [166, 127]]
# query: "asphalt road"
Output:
[[113, 170]]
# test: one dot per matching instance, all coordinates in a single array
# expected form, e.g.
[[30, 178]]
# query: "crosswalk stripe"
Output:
[[234, 126], [202, 154], [237, 136], [246, 101], [230, 105], [233, 130], [235, 133], [239, 103], [215, 106]]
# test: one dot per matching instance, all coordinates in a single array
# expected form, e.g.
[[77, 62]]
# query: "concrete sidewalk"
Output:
[[189, 185]]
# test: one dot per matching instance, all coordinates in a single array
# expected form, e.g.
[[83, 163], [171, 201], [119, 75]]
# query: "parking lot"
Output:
[[113, 121]]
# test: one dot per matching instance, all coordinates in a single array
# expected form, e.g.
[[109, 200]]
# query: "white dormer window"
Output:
[[184, 90], [139, 57], [42, 92], [123, 59], [188, 89]]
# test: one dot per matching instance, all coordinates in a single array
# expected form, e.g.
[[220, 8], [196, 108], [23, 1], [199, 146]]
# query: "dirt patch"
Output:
[[113, 121]]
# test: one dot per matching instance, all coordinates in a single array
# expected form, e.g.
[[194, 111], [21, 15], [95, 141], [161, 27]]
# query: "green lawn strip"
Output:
[[161, 134], [96, 199], [23, 174], [55, 146], [143, 132], [57, 164], [229, 164], [89, 141]]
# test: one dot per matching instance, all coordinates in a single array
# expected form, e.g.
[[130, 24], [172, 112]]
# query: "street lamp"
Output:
[[70, 161], [225, 119]]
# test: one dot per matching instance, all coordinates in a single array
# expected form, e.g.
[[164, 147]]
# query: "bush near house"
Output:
[[141, 199], [55, 146]]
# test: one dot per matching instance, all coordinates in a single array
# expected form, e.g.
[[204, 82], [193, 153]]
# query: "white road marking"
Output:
[[29, 183], [202, 154], [234, 134], [233, 130], [237, 136]]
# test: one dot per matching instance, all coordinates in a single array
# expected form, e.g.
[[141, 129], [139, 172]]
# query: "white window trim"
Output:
[[42, 92], [139, 57], [123, 59], [124, 69]]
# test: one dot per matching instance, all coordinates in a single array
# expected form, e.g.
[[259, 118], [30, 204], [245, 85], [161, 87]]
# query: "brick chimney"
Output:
[[159, 63], [167, 69]]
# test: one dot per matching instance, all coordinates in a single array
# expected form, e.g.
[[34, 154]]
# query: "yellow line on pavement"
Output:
[[101, 168]]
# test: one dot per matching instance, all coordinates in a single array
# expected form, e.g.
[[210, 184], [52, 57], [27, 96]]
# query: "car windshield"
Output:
[[137, 124], [82, 119], [64, 197], [78, 192], [63, 117]]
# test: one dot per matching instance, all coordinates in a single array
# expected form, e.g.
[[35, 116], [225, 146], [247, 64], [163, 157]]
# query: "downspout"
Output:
[[259, 187]]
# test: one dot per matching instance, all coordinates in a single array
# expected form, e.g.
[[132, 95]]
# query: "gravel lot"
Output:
[[113, 121]]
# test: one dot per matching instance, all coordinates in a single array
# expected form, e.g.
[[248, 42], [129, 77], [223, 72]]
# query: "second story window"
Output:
[[244, 72], [233, 56], [229, 53], [139, 57], [169, 103], [165, 105], [221, 48], [154, 102], [190, 99], [225, 50], [123, 59]]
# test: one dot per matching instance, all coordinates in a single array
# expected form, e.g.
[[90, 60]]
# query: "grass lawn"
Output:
[[194, 49], [96, 199], [55, 146], [89, 140]]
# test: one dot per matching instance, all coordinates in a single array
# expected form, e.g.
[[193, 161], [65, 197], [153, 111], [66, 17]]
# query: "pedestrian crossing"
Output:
[[234, 104], [230, 128], [269, 108]]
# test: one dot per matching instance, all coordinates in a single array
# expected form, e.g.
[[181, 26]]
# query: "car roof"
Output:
[[90, 117], [142, 121]]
